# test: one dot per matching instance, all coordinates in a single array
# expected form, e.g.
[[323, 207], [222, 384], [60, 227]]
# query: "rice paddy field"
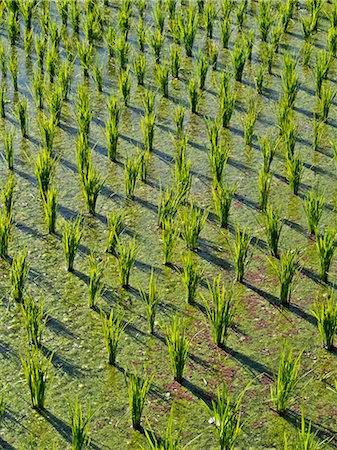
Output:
[[168, 185]]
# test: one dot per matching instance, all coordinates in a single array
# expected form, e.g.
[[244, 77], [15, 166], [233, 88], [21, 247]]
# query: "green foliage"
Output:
[[171, 440], [220, 312], [116, 225], [96, 273], [33, 314], [239, 55], [112, 326], [313, 204], [162, 74], [273, 227], [13, 70], [193, 220], [7, 137], [193, 95], [45, 166], [258, 79], [22, 115], [47, 128], [126, 258], [285, 270], [326, 249], [169, 236], [227, 99], [202, 69], [241, 252], [268, 151], [150, 299], [91, 187], [138, 389], [5, 233], [50, 205], [264, 183], [71, 237], [85, 52], [294, 172], [325, 102], [139, 66], [177, 345], [148, 127], [79, 426], [125, 86], [222, 198], [18, 275], [265, 18], [325, 312], [191, 276], [156, 41], [249, 121], [131, 170], [188, 23], [287, 379]]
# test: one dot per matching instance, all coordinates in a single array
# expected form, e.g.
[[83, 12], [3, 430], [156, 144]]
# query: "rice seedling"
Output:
[[191, 276], [162, 75], [131, 170], [167, 205], [148, 126], [139, 66], [123, 50], [209, 15], [264, 183], [315, 7], [13, 70], [213, 131], [332, 41], [325, 312], [124, 18], [325, 244], [325, 102], [125, 86], [249, 121], [112, 325], [220, 312], [54, 35], [218, 157], [45, 19], [3, 401], [285, 270], [307, 50], [241, 252], [45, 166], [71, 237], [91, 187], [33, 314], [18, 275], [150, 299], [3, 61], [264, 19], [179, 116], [294, 172], [85, 52], [240, 14], [55, 103], [126, 255], [227, 99], [313, 205], [222, 198], [288, 376], [289, 137], [111, 128], [169, 237], [194, 95], [116, 225], [141, 36], [138, 389], [22, 115], [289, 78], [225, 414], [175, 60], [63, 9], [7, 137], [98, 76], [96, 273], [286, 13], [239, 55], [47, 128], [35, 369], [276, 35], [193, 221], [6, 223], [268, 151], [40, 49], [13, 28], [38, 83], [110, 40], [202, 69], [171, 440], [26, 10], [141, 6], [317, 133], [188, 24], [50, 205], [226, 8], [171, 6], [321, 69], [52, 61], [226, 31], [306, 28], [156, 41], [83, 156], [83, 111], [268, 58], [3, 101], [258, 79], [273, 226], [177, 344], [182, 177], [213, 53], [80, 425]]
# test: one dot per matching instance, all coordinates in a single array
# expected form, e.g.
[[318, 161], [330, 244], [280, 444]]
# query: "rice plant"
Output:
[[7, 137], [213, 53], [13, 28], [171, 440], [264, 183], [35, 369], [110, 40], [156, 41], [240, 14], [96, 273], [325, 244], [289, 137], [98, 76], [241, 252], [85, 52], [52, 60], [150, 299], [193, 221], [226, 31], [162, 76], [22, 115], [220, 312], [80, 425], [141, 36], [3, 401], [138, 389], [202, 69], [268, 57], [167, 205], [227, 99], [91, 187], [276, 35], [125, 86], [182, 176], [222, 198], [264, 19], [268, 151], [249, 121], [285, 270], [288, 376], [55, 103], [289, 78], [249, 41], [325, 312], [6, 223], [321, 69], [139, 66], [47, 128], [33, 314], [13, 70], [317, 133], [191, 276], [325, 102], [169, 237], [179, 115], [148, 127], [273, 226], [258, 79], [307, 50], [209, 15], [18, 275], [71, 237], [188, 23], [116, 225], [131, 170], [112, 326], [38, 83], [177, 344], [194, 95], [126, 255], [3, 101], [45, 166], [313, 205], [294, 172], [226, 416], [62, 7], [50, 205], [239, 56]]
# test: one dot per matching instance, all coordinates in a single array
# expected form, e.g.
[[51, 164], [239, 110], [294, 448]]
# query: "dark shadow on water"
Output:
[[198, 392], [5, 445], [58, 327], [61, 363], [6, 351], [251, 364]]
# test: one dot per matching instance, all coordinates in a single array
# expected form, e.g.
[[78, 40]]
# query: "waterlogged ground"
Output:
[[74, 331]]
